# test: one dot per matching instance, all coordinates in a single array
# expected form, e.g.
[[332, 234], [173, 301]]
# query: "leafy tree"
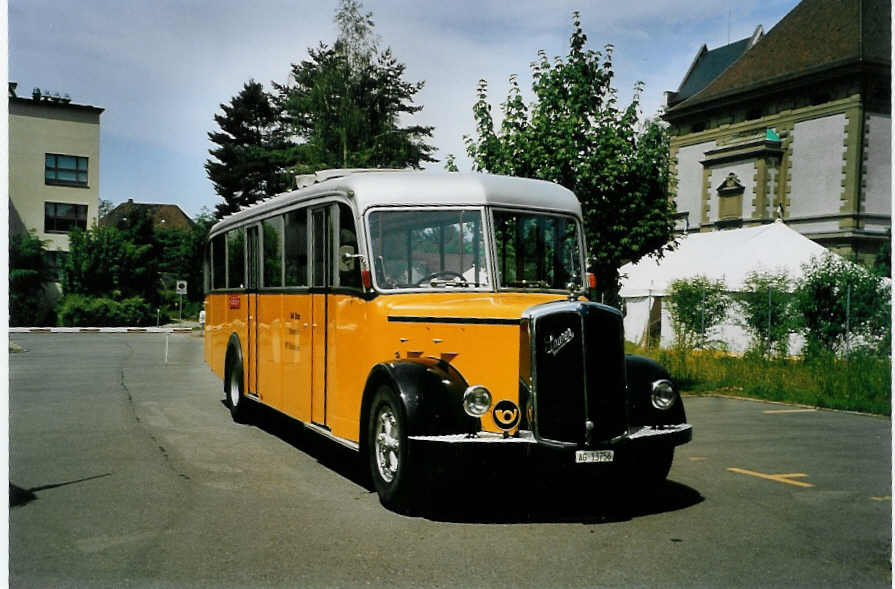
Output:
[[28, 275], [249, 162], [842, 306], [767, 311], [103, 262], [696, 306], [344, 103], [180, 252], [576, 134]]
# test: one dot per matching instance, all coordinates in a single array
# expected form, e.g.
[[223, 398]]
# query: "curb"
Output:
[[100, 330]]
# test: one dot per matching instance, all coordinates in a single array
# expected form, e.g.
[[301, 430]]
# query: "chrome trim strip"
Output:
[[329, 435], [588, 435], [652, 431], [525, 437]]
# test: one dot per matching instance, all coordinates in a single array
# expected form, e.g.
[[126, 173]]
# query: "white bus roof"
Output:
[[416, 188]]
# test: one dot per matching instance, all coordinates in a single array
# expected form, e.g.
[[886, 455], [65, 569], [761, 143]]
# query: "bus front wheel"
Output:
[[391, 465]]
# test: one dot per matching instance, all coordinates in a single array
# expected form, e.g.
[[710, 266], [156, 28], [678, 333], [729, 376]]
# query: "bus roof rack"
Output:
[[305, 180]]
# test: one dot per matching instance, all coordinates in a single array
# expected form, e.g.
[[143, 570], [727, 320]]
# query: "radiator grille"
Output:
[[578, 371]]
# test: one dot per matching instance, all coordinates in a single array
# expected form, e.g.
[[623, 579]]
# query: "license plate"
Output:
[[586, 456]]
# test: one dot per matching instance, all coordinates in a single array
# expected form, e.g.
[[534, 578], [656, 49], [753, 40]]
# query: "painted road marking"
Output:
[[776, 411], [698, 458], [883, 498], [780, 478]]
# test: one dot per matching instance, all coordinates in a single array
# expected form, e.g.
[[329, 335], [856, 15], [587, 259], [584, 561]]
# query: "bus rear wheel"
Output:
[[235, 399], [391, 463]]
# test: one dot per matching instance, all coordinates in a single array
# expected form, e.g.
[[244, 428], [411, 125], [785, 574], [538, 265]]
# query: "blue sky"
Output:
[[161, 69]]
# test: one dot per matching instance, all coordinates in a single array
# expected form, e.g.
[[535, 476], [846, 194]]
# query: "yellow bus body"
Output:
[[477, 333]]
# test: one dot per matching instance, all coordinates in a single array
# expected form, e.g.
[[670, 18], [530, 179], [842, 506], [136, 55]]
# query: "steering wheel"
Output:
[[444, 273]]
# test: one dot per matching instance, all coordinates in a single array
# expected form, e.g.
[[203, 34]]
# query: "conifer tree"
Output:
[[248, 163]]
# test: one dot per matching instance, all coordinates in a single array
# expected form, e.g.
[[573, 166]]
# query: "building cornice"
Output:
[[29, 102]]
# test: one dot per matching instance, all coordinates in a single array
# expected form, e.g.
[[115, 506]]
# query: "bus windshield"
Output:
[[429, 249], [537, 250]]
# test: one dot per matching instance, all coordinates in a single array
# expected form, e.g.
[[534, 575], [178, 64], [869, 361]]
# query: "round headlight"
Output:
[[663, 395], [476, 401]]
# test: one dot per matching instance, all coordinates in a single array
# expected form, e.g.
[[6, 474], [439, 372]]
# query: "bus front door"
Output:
[[321, 268]]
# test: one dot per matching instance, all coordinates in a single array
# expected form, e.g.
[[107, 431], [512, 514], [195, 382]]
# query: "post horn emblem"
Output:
[[506, 415]]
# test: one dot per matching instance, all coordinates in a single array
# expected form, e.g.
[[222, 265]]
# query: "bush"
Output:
[[696, 306], [82, 311], [859, 382], [842, 307], [767, 312], [29, 276]]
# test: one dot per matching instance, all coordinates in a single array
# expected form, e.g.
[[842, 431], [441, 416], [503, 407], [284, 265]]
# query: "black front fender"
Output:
[[642, 372], [431, 393]]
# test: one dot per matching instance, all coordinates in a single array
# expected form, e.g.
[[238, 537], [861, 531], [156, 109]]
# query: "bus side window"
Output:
[[296, 248], [272, 250], [349, 267], [235, 258], [218, 262]]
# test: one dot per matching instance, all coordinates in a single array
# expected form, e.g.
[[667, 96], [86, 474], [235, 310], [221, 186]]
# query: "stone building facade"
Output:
[[792, 124]]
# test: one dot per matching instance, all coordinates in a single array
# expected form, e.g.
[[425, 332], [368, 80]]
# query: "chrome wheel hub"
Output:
[[234, 389], [387, 442]]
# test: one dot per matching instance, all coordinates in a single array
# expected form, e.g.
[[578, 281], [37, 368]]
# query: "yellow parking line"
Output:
[[776, 411], [780, 478], [883, 498]]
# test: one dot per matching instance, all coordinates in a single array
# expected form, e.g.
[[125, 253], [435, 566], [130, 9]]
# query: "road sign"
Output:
[[181, 287]]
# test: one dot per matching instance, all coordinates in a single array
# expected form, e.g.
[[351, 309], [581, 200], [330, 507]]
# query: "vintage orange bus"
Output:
[[399, 311]]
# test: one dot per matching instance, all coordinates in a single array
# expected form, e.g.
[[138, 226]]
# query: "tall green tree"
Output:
[[180, 252], [346, 101], [252, 152], [576, 134]]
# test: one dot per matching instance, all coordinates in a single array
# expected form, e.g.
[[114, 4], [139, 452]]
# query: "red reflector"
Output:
[[366, 278], [592, 280]]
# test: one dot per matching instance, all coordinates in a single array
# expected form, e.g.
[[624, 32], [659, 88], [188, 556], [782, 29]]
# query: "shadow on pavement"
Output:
[[562, 500], [19, 496], [514, 493], [330, 454]]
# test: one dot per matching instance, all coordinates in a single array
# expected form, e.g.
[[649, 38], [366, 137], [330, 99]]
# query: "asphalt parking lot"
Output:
[[126, 471]]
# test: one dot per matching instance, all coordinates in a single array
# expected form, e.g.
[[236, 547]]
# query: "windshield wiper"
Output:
[[462, 283]]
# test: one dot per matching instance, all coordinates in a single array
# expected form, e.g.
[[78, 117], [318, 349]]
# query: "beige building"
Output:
[[792, 124], [53, 166]]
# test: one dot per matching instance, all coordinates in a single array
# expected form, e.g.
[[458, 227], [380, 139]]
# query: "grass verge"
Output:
[[861, 382]]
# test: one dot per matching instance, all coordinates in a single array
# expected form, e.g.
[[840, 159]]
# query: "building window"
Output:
[[61, 217], [65, 170]]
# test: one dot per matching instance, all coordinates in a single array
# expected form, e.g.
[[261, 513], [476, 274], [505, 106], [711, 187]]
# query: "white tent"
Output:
[[730, 255]]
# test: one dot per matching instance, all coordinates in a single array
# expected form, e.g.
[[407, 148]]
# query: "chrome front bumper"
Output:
[[637, 436]]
